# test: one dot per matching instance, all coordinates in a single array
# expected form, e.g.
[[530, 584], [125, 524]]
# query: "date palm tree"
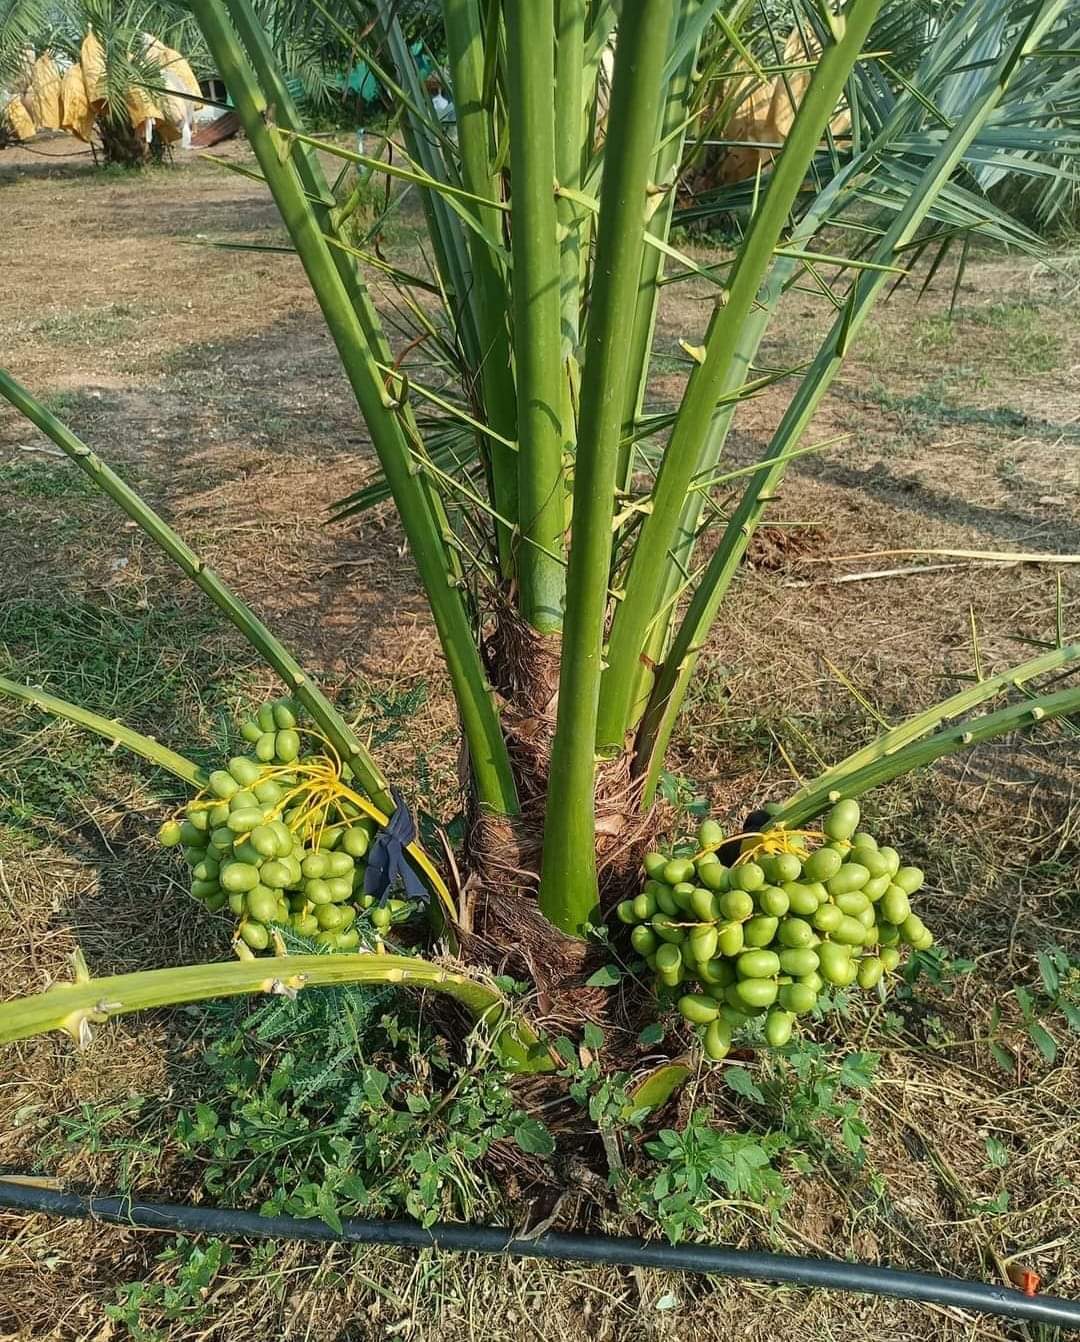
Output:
[[563, 528]]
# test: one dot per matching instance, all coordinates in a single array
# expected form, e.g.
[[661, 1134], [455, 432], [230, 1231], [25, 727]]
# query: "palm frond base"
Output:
[[503, 931]]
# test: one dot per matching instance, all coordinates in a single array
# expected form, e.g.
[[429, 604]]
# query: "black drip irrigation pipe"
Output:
[[621, 1252]]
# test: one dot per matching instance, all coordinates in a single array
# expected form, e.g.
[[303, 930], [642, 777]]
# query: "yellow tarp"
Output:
[[766, 115], [182, 76], [142, 106], [71, 102], [92, 60], [45, 93], [77, 116], [18, 120], [179, 75]]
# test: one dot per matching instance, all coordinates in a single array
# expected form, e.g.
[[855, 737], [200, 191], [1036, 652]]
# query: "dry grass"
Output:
[[216, 391]]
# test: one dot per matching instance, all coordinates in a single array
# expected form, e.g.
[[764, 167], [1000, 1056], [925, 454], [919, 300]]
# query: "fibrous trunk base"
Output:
[[502, 928]]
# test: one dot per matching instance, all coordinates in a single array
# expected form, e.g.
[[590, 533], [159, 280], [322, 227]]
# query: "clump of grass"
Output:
[[43, 480], [105, 325], [1024, 341]]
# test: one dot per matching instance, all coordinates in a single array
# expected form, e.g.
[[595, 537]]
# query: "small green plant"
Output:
[[1029, 346], [810, 1092], [91, 326], [817, 1092], [607, 1096], [938, 967], [699, 1167], [1057, 994], [195, 1266]]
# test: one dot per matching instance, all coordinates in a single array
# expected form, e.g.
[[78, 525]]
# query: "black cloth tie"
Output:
[[388, 863]]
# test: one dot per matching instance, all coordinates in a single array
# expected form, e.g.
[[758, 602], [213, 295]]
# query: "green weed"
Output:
[[1029, 345], [933, 405], [1023, 342], [1057, 994], [333, 1104], [186, 1298], [811, 1094], [701, 1165]]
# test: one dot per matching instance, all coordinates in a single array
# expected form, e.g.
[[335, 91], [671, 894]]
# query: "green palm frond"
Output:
[[937, 54]]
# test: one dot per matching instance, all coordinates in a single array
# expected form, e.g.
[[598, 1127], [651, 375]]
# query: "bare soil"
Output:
[[206, 377]]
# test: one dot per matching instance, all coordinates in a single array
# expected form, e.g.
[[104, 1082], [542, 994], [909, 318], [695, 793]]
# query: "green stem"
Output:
[[541, 390], [236, 611], [630, 626], [569, 148], [665, 168], [111, 730], [852, 782], [307, 164], [76, 1007], [465, 54], [412, 492], [568, 890], [670, 688]]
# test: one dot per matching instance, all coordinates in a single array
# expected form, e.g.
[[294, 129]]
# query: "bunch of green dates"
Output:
[[264, 842], [767, 934]]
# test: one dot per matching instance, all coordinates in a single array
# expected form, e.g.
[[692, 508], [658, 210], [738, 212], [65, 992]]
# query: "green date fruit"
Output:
[[702, 942], [654, 864], [644, 940], [778, 1027], [698, 1009], [170, 834], [795, 933], [798, 998], [287, 745], [756, 992], [842, 820], [895, 906], [237, 877], [255, 935], [798, 961], [223, 784], [801, 899], [773, 901], [717, 1039], [666, 927], [822, 865], [759, 931], [851, 876], [788, 868], [714, 876], [730, 938], [757, 965], [869, 971], [678, 870], [909, 879], [747, 876], [668, 958]]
